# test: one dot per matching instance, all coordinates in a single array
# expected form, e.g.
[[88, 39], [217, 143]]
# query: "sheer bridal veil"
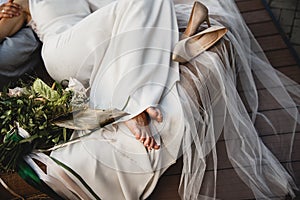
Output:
[[230, 89]]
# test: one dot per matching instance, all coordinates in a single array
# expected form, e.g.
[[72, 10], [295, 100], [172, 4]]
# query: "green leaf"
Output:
[[43, 90]]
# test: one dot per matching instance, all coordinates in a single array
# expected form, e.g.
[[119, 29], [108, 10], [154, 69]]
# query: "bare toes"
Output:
[[139, 126], [142, 140], [152, 144], [155, 114], [137, 133], [147, 142], [156, 146], [132, 126]]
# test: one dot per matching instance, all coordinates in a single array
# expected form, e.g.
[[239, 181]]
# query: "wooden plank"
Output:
[[229, 185], [265, 99], [292, 72], [263, 29], [281, 57], [279, 145], [166, 188], [280, 120], [272, 42], [256, 17], [175, 169], [247, 6]]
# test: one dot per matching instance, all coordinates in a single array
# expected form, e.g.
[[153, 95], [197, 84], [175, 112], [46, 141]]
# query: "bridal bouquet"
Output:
[[38, 118], [42, 118], [27, 115]]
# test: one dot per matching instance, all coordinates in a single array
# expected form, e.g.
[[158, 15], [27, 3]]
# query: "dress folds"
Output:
[[122, 53]]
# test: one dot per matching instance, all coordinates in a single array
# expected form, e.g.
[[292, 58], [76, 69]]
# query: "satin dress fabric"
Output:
[[121, 50], [121, 53]]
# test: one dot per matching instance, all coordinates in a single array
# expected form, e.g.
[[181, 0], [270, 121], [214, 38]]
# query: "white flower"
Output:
[[16, 92], [80, 98]]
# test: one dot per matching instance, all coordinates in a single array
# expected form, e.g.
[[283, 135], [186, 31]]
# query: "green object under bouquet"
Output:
[[28, 174], [21, 167], [40, 118]]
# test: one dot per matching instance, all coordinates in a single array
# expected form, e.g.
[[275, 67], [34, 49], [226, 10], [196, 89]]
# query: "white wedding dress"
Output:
[[122, 52]]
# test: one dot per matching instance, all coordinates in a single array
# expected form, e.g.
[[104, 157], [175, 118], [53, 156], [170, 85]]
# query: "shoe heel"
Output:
[[198, 15], [207, 21]]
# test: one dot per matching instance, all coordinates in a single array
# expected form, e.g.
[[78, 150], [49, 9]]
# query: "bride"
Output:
[[121, 51]]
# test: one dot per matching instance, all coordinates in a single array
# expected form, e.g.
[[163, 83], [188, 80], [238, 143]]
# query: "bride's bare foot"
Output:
[[155, 114], [139, 126]]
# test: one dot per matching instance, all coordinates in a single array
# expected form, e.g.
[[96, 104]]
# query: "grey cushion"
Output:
[[19, 54]]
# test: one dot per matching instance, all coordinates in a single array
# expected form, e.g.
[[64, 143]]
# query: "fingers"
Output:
[[155, 114], [9, 10]]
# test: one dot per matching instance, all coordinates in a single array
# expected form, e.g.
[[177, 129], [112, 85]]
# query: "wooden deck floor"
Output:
[[229, 185], [279, 54]]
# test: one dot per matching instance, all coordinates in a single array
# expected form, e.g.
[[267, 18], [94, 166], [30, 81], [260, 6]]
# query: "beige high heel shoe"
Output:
[[189, 48], [198, 15]]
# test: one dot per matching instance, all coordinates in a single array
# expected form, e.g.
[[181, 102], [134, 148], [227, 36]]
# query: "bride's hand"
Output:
[[9, 10], [139, 126]]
